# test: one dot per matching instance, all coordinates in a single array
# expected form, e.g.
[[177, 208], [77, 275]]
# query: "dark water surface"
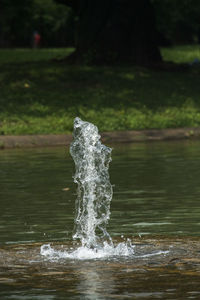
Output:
[[156, 193]]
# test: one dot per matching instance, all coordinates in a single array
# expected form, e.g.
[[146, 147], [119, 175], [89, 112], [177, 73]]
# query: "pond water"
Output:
[[156, 194]]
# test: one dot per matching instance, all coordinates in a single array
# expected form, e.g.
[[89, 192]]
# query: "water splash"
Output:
[[94, 191], [94, 194], [107, 250]]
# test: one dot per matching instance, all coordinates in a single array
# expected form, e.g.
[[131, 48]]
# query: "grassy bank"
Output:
[[41, 96]]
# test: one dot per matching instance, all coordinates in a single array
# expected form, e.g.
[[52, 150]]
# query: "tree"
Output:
[[51, 20], [178, 21], [20, 18], [15, 22], [111, 31]]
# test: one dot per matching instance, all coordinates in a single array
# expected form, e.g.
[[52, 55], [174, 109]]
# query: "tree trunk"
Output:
[[116, 31]]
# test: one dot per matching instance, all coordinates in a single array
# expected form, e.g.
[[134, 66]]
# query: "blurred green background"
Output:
[[120, 64]]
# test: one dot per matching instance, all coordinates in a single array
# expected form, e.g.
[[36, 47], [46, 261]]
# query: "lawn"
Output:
[[40, 95]]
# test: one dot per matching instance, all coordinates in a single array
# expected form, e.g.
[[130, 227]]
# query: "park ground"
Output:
[[42, 94]]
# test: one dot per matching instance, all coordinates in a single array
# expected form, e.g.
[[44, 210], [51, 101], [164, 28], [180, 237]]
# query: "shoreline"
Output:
[[29, 141]]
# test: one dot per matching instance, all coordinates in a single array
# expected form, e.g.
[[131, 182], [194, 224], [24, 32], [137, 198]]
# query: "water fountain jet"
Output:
[[94, 191], [94, 194]]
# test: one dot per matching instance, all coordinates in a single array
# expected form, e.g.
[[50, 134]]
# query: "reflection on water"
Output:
[[33, 204], [158, 187], [92, 284], [174, 275], [156, 192]]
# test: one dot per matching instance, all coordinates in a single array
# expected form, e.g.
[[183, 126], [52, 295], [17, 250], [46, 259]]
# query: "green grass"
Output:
[[23, 55], [182, 54], [42, 96]]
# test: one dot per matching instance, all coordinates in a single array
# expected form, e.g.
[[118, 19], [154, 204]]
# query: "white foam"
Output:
[[123, 249], [85, 253]]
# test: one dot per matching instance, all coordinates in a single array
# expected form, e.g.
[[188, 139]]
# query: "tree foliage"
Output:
[[53, 22], [20, 18], [15, 22], [178, 20]]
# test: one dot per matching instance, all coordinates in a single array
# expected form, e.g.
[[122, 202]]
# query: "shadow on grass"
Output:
[[60, 86], [115, 97]]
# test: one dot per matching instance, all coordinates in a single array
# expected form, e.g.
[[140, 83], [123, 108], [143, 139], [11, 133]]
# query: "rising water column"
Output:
[[94, 192]]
